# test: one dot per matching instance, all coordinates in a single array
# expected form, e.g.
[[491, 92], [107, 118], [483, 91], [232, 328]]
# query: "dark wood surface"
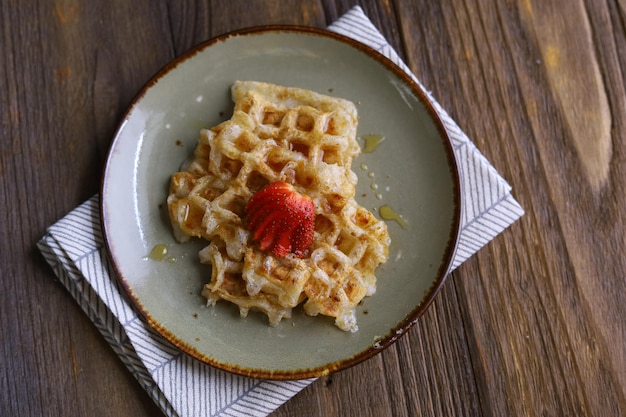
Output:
[[534, 324]]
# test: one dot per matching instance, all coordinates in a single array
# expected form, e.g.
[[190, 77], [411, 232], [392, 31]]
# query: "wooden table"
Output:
[[531, 325]]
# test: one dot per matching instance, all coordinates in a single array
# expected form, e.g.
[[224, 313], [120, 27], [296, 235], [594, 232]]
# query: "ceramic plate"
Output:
[[412, 171]]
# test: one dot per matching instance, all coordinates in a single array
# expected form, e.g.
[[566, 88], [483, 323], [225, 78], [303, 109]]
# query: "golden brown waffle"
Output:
[[308, 140]]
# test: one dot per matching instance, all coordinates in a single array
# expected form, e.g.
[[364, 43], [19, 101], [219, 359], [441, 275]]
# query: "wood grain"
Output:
[[560, 310], [567, 60], [531, 325]]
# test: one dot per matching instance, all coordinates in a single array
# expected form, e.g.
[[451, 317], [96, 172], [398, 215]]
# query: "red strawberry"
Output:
[[281, 219]]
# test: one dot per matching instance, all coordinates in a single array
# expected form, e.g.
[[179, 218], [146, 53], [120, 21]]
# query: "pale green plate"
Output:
[[413, 168]]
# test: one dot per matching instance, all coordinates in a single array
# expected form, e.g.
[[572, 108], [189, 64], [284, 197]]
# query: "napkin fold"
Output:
[[182, 386]]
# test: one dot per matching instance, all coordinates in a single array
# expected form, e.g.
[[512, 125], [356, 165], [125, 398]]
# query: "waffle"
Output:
[[303, 138]]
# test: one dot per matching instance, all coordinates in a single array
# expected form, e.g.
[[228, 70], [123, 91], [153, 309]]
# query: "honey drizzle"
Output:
[[387, 213]]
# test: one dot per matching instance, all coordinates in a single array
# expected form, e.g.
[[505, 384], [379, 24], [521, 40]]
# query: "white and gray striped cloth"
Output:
[[179, 384]]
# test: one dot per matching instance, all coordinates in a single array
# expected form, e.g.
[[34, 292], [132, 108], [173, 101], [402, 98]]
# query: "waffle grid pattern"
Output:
[[308, 140]]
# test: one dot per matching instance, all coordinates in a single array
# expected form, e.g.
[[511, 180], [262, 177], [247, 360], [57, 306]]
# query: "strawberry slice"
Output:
[[281, 219]]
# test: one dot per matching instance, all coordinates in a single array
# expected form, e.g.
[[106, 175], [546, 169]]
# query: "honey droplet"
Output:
[[158, 252], [387, 213], [372, 142]]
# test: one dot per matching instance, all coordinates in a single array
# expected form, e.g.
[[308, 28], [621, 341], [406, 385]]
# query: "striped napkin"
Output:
[[181, 385]]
